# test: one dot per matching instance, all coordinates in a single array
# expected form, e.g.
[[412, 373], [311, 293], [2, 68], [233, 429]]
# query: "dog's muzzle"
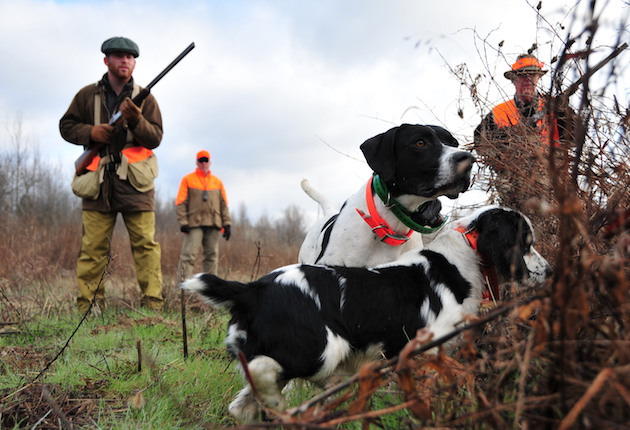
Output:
[[463, 163]]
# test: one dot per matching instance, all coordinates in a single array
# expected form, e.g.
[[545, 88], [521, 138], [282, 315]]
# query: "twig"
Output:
[[520, 402], [257, 261], [369, 414], [139, 350], [339, 152], [56, 409], [598, 383], [41, 419], [63, 348], [529, 403], [184, 330]]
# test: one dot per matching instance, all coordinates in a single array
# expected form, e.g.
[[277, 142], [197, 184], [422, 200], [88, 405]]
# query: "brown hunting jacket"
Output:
[[116, 195]]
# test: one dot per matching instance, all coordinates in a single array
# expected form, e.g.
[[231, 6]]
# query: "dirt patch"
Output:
[[49, 407], [23, 358]]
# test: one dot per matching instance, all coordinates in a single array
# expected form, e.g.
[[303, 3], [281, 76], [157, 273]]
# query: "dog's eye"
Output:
[[421, 143]]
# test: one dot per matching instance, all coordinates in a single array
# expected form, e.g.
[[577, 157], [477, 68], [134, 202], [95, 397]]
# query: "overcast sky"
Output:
[[279, 90]]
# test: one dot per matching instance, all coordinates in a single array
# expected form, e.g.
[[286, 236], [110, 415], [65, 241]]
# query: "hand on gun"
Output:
[[101, 133], [130, 111]]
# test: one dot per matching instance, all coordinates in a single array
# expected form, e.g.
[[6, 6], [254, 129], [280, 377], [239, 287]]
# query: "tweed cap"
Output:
[[120, 44], [525, 64]]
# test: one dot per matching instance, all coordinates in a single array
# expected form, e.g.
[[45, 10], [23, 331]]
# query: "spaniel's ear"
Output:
[[380, 153], [500, 241]]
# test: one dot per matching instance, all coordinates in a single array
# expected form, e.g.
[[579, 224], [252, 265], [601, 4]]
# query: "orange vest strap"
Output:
[[137, 153]]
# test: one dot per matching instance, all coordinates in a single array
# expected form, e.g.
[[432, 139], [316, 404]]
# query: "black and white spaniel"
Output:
[[414, 164], [312, 322]]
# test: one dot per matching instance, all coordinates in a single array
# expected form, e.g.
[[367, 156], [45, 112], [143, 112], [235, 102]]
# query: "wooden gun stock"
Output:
[[84, 160]]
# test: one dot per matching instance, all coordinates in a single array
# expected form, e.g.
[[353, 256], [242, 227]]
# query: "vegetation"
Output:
[[554, 357]]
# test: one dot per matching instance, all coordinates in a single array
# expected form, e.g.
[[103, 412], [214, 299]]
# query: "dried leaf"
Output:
[[369, 381], [136, 401]]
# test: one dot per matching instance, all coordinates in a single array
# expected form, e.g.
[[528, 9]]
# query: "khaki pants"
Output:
[[95, 245], [206, 237]]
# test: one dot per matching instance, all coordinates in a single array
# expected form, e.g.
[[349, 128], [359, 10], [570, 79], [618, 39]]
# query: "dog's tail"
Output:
[[216, 291], [318, 197]]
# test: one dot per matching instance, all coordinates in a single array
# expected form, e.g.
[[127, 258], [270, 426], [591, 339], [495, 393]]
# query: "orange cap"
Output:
[[203, 153], [525, 64]]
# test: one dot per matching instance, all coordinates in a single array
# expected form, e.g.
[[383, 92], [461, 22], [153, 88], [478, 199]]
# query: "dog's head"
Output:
[[506, 242], [421, 160]]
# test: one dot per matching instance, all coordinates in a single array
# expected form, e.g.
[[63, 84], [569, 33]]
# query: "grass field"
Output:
[[124, 369]]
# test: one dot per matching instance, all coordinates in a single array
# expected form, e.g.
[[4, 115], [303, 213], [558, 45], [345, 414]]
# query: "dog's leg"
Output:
[[447, 320], [266, 374], [244, 406]]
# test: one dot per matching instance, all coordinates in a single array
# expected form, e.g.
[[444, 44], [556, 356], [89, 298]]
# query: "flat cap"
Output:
[[120, 44]]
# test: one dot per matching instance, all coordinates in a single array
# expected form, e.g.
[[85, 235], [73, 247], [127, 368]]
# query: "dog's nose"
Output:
[[463, 161]]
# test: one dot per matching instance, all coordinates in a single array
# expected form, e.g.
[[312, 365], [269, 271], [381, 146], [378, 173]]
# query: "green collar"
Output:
[[399, 210]]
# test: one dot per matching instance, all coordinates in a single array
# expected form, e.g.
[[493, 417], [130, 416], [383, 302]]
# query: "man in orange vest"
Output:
[[202, 212], [525, 114], [515, 141], [519, 131], [120, 178]]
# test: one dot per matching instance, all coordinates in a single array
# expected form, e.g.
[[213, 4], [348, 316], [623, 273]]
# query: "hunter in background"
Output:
[[119, 179], [514, 141], [202, 213]]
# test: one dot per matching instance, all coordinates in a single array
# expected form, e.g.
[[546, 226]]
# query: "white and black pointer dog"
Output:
[[313, 322], [416, 164]]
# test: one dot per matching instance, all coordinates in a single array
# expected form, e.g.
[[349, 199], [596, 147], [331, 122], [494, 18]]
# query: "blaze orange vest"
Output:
[[507, 115], [134, 154]]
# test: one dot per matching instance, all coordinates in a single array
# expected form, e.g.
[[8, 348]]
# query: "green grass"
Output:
[[101, 363], [100, 366]]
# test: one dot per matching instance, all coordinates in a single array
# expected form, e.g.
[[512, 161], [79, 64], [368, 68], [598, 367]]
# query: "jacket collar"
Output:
[[127, 88], [201, 173]]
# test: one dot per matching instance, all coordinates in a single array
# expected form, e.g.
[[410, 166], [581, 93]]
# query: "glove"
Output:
[[101, 133], [227, 232], [130, 112], [184, 228]]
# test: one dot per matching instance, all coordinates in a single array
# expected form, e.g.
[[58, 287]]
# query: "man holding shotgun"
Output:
[[118, 176]]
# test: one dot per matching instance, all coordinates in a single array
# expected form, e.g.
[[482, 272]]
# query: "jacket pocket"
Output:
[[87, 185], [141, 174]]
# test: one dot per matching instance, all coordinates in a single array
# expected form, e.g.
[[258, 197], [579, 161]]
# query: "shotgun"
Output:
[[84, 160]]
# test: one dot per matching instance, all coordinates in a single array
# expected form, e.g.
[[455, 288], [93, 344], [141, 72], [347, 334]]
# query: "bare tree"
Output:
[[290, 228]]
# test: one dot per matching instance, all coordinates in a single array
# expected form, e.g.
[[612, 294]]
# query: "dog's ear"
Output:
[[445, 136], [380, 154], [501, 242]]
